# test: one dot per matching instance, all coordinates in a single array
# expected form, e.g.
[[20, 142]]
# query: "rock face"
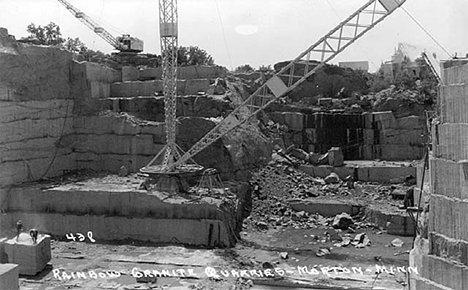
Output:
[[7, 42], [329, 81], [35, 73], [152, 108], [35, 110], [363, 136], [54, 119], [233, 155]]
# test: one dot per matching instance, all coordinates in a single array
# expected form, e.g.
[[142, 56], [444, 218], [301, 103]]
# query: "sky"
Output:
[[255, 32]]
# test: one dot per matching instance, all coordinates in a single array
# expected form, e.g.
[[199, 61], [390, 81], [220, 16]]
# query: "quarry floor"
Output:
[[256, 251], [279, 248]]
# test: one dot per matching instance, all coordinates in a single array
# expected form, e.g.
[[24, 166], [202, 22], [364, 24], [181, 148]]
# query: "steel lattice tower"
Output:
[[169, 43], [161, 166]]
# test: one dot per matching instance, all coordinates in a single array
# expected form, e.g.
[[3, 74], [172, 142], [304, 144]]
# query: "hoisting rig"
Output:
[[288, 78], [124, 43]]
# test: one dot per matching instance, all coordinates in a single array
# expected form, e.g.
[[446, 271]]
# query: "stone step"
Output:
[[325, 207], [391, 219], [197, 232], [152, 108], [365, 171], [148, 88], [395, 221]]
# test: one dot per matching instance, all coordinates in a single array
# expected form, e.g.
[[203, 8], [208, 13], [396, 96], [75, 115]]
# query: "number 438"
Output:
[[80, 237]]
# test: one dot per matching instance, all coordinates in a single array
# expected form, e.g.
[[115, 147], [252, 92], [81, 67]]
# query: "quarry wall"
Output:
[[55, 117], [442, 256], [35, 110], [365, 136]]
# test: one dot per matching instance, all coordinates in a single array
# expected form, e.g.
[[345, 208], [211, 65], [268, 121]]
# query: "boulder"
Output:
[[342, 221], [332, 178], [335, 157], [326, 102], [299, 154]]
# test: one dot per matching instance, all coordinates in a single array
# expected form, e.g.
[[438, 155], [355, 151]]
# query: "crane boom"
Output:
[[298, 70], [124, 43], [432, 66]]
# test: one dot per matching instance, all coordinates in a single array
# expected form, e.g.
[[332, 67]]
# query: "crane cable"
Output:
[[224, 34], [99, 19], [427, 32]]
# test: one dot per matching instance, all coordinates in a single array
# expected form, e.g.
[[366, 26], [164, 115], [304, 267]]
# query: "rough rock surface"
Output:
[[36, 73]]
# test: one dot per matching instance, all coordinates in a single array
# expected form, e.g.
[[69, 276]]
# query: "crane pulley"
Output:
[[124, 43], [298, 70]]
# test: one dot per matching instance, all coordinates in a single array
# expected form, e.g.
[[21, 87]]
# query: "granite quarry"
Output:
[[355, 192]]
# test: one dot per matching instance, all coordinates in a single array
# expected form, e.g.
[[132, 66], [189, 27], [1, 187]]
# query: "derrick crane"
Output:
[[168, 31], [161, 166], [124, 43], [298, 70]]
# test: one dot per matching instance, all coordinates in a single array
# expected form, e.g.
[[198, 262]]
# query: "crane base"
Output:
[[171, 181]]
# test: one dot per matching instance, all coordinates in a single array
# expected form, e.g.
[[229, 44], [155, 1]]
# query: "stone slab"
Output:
[[384, 173], [449, 178], [323, 171], [412, 137], [186, 72], [454, 103], [442, 246], [99, 90], [398, 152], [444, 272], [418, 283], [34, 128], [129, 73], [45, 109], [199, 232], [447, 216], [31, 258], [9, 276], [456, 74], [12, 172], [325, 207], [104, 197], [411, 123], [294, 120], [383, 120], [194, 86], [451, 140], [396, 222]]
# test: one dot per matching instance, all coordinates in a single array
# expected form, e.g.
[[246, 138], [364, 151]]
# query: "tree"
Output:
[[47, 35], [265, 68], [75, 45], [378, 81], [245, 68], [193, 55]]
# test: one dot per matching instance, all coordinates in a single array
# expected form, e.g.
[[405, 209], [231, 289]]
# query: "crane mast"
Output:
[[168, 35], [123, 43], [298, 70], [168, 31]]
